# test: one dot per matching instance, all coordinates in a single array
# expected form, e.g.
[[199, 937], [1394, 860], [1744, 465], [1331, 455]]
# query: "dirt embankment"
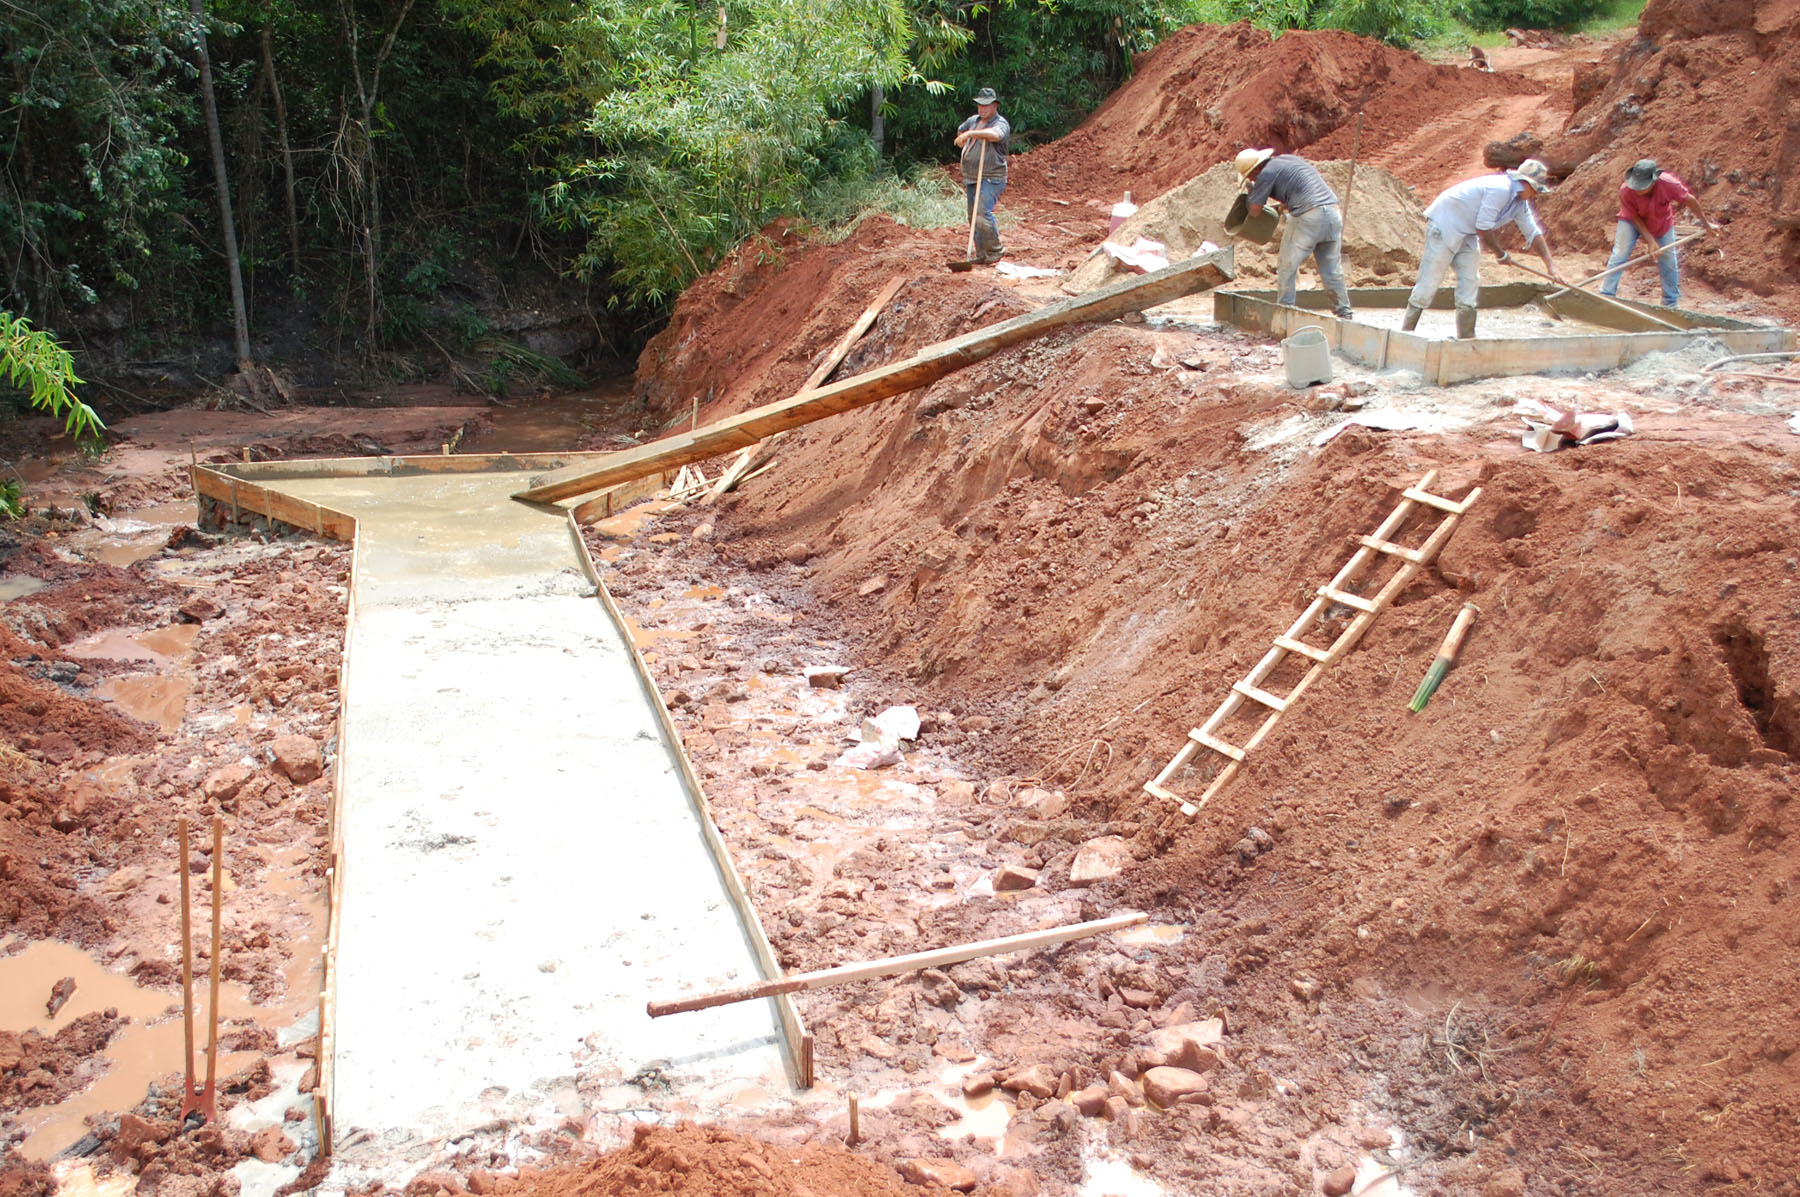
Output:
[[1707, 89], [1209, 91]]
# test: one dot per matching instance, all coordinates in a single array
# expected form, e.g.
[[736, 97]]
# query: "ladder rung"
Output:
[[1346, 598], [1156, 791], [1260, 695], [1437, 501], [1216, 744], [1393, 550], [1305, 650]]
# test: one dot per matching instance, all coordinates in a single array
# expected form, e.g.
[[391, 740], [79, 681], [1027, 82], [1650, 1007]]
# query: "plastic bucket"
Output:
[[1259, 228], [1308, 357]]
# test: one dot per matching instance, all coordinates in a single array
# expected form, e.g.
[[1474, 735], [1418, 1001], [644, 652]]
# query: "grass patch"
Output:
[[1617, 15], [926, 199]]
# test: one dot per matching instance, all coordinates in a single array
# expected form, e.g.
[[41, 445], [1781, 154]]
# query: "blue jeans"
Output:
[[1316, 233], [1625, 239], [987, 232], [1442, 253]]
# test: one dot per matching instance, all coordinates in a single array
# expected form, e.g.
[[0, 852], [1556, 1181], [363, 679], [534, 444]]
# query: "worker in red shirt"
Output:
[[1647, 202]]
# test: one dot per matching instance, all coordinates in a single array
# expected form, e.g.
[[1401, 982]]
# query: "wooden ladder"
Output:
[[1373, 548]]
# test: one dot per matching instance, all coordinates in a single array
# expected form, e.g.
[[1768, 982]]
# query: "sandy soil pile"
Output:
[[1209, 91], [1382, 239], [1707, 89]]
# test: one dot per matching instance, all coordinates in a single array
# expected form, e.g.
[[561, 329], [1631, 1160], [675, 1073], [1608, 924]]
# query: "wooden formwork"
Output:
[[241, 492], [1447, 361]]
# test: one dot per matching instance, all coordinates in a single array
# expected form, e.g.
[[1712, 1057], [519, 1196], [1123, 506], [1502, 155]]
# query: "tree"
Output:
[[240, 319]]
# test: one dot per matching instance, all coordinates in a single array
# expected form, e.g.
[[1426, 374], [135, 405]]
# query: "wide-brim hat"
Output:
[[1249, 160], [1535, 172], [986, 96], [1642, 175]]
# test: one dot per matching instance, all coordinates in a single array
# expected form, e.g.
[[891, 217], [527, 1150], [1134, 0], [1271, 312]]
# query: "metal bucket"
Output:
[[1307, 355], [1259, 228]]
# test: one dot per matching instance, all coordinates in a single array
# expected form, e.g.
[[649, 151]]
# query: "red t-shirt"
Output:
[[1655, 207]]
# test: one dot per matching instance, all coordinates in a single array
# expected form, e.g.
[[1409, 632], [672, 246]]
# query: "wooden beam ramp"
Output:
[[921, 369], [1375, 550]]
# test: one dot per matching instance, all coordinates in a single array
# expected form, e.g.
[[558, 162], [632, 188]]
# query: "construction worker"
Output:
[[1315, 224], [1464, 217], [1647, 200], [984, 140]]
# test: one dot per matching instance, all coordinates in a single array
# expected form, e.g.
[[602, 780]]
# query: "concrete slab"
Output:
[[524, 866]]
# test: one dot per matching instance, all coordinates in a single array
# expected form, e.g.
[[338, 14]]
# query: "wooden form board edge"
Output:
[[796, 1038], [924, 367], [870, 970]]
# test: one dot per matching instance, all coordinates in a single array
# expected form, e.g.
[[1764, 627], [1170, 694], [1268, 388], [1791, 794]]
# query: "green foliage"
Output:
[[1529, 14], [32, 362], [1400, 23], [12, 499], [928, 199]]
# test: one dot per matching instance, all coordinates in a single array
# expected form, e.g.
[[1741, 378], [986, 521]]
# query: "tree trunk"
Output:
[[240, 317], [281, 131], [366, 94], [877, 126]]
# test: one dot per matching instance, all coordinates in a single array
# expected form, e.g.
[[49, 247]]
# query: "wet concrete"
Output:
[[524, 868]]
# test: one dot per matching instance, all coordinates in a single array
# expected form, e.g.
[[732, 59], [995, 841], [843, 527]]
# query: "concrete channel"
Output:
[[524, 856]]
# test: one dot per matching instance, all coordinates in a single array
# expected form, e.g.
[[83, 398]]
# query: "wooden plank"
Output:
[[796, 1038], [1418, 495], [1390, 548], [1217, 745], [1297, 646], [871, 970], [924, 367], [1258, 694], [273, 504], [1345, 597]]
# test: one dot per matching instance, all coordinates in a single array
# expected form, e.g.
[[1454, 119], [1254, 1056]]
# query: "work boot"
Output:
[[1411, 320], [1342, 313], [1465, 322]]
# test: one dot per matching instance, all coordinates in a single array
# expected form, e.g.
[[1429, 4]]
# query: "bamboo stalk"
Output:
[[1446, 657], [870, 970]]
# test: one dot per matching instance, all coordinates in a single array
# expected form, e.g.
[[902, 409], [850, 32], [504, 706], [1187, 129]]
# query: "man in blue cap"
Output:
[[984, 140], [1467, 216], [1647, 202]]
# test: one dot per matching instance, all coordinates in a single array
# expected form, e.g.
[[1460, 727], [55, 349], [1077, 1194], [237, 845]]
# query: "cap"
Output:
[[1642, 175], [1249, 160], [986, 96], [1533, 171]]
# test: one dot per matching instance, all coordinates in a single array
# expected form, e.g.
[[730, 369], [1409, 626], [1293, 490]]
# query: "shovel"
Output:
[[968, 262]]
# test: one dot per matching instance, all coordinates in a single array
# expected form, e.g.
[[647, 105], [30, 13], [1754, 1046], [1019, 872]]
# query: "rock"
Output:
[[138, 1138], [881, 1049], [1117, 1109], [1137, 999], [431, 1182], [825, 677], [309, 1080], [956, 792], [1168, 1086], [271, 1145], [1013, 1182], [702, 531], [65, 820], [1014, 877], [874, 585], [1036, 1080], [123, 881], [298, 758], [1100, 860], [940, 990], [798, 552], [979, 1085], [60, 993], [1306, 988], [1061, 1117], [223, 784], [481, 1182], [946, 1174], [199, 609], [1090, 1101], [1042, 804], [1028, 832], [1123, 1087], [1338, 1181], [1190, 1044]]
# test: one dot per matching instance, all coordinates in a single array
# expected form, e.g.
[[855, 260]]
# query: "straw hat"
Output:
[[1249, 160]]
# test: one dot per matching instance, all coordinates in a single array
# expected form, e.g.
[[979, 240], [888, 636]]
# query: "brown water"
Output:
[[160, 697], [19, 587], [552, 424]]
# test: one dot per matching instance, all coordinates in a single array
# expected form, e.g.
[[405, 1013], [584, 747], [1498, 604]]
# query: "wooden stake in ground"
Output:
[[189, 1099], [869, 970], [1446, 657], [209, 1096], [927, 366]]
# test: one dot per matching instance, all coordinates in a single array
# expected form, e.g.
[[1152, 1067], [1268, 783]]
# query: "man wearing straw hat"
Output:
[[1462, 219], [1647, 202], [1315, 224], [984, 139]]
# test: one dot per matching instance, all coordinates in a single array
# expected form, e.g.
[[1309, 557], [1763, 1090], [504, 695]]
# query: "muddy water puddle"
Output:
[[553, 423], [20, 587], [159, 698], [129, 537]]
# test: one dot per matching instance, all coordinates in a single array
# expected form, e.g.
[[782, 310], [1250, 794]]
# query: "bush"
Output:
[[1529, 14]]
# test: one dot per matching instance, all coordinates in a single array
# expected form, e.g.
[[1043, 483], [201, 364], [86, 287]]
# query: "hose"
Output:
[[1749, 357]]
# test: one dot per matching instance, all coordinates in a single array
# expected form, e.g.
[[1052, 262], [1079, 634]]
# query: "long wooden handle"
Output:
[[212, 1005], [1641, 258], [1458, 629], [975, 204], [871, 969], [1606, 299], [187, 963]]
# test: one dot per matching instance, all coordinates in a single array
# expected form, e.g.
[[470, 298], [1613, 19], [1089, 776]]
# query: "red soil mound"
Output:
[[1707, 89], [1209, 91], [708, 1162]]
